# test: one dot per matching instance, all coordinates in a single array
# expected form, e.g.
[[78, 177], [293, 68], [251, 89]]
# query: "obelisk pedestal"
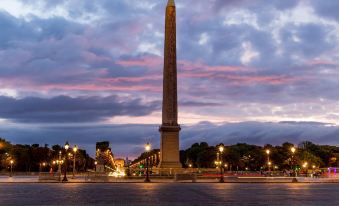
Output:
[[169, 130], [169, 148]]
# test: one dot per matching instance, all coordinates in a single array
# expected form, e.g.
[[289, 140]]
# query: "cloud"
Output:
[[128, 140], [198, 104], [255, 4], [328, 9], [64, 109], [256, 60], [309, 40]]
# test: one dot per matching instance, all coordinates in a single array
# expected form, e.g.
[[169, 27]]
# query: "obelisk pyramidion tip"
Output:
[[171, 3]]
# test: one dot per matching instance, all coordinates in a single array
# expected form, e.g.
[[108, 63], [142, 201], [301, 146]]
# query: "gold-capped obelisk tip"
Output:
[[171, 3]]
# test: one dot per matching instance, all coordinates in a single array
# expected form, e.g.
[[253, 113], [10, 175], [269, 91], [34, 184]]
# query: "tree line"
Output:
[[33, 158], [244, 156]]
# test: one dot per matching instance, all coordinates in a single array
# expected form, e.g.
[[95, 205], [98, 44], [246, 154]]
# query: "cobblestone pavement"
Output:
[[168, 194]]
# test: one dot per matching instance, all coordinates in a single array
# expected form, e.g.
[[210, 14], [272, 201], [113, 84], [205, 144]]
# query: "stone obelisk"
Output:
[[169, 130]]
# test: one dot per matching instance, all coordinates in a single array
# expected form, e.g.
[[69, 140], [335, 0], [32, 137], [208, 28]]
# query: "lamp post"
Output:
[[75, 149], [269, 165], [11, 168], [95, 165], [59, 165], [305, 166], [147, 148], [41, 166], [293, 150], [221, 150], [268, 160], [66, 162]]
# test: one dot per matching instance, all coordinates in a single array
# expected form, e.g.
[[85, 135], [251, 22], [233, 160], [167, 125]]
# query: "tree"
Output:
[[30, 157]]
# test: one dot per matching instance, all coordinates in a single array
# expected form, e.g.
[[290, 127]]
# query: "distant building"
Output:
[[104, 157]]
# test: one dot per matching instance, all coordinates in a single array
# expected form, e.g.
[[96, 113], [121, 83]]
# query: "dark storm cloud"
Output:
[[64, 109]]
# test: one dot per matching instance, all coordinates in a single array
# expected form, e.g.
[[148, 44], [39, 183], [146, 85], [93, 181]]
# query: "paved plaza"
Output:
[[168, 194]]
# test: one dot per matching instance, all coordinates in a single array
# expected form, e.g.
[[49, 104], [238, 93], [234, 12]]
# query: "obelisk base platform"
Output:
[[169, 147]]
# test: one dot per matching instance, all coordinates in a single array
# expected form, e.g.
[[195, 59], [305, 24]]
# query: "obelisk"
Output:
[[169, 130]]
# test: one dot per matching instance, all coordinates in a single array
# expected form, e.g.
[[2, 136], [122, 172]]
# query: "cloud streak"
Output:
[[64, 109]]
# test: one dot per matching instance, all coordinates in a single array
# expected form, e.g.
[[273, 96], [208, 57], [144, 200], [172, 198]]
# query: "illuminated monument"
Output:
[[169, 130]]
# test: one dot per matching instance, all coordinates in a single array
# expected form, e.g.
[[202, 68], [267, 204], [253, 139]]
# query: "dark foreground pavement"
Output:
[[169, 194]]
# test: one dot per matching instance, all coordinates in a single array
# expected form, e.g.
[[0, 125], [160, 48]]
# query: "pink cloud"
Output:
[[131, 79], [273, 80], [91, 57], [146, 61], [97, 87], [189, 66], [320, 62], [127, 84], [243, 78]]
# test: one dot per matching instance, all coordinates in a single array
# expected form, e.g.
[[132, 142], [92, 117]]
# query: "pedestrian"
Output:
[[51, 172]]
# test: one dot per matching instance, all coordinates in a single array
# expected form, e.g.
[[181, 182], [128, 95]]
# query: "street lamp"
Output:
[[268, 160], [313, 170], [293, 150], [95, 165], [66, 162], [59, 165], [147, 148], [305, 166], [41, 166], [11, 168], [221, 150], [75, 149]]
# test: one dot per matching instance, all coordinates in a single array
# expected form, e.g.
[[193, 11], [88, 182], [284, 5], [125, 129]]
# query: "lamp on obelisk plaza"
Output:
[[59, 165], [59, 161], [169, 129], [221, 150], [75, 149], [66, 162], [268, 160], [11, 162], [293, 150], [147, 148]]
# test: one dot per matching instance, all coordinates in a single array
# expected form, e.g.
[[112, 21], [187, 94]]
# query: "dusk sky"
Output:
[[252, 71]]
